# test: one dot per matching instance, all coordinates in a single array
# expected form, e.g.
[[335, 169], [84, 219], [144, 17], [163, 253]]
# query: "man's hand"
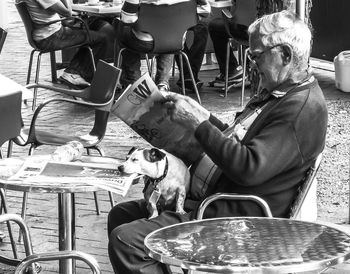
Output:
[[186, 111]]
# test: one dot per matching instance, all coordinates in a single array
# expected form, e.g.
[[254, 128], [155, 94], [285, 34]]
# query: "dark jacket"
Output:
[[274, 155]]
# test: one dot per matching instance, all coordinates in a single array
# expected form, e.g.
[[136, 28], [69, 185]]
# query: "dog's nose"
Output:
[[121, 168]]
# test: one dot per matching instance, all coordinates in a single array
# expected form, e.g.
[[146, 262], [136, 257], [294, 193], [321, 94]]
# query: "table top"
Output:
[[251, 244], [101, 8], [10, 166]]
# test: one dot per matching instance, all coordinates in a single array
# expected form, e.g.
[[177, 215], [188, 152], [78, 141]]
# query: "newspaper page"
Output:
[[103, 174], [139, 107]]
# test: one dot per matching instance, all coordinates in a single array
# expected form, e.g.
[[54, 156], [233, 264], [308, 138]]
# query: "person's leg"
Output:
[[195, 52], [164, 64], [219, 37], [131, 60], [126, 241]]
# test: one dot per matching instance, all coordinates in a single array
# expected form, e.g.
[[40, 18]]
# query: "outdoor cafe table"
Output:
[[106, 9], [249, 245], [66, 212]]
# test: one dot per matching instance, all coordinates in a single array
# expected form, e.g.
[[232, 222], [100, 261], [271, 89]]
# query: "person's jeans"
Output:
[[131, 59], [195, 52], [81, 63], [127, 228], [219, 37]]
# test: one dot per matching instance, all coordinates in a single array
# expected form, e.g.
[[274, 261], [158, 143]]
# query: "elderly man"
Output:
[[266, 151]]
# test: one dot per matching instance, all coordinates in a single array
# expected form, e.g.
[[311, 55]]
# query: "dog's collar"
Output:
[[156, 181], [165, 172]]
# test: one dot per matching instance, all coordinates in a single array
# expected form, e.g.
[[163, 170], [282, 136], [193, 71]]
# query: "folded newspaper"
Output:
[[101, 172], [139, 106]]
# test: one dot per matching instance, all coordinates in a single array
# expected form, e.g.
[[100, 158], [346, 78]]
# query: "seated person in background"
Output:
[[130, 36], [195, 54], [80, 71], [265, 152], [238, 29]]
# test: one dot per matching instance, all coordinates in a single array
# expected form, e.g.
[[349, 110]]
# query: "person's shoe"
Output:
[[163, 86], [74, 80], [235, 77], [189, 85]]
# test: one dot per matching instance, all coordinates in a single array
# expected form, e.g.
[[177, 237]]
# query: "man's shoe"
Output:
[[235, 77], [163, 86], [74, 80], [189, 85]]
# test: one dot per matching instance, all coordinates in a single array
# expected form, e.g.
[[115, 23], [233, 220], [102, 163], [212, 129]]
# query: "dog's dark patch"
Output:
[[153, 155]]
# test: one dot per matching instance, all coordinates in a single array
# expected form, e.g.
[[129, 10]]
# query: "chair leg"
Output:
[[228, 49], [36, 80], [53, 67], [182, 74], [244, 75], [9, 227], [23, 211], [192, 77], [9, 149], [30, 66], [92, 58]]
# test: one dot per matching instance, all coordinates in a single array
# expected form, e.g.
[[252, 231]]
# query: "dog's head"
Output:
[[144, 161]]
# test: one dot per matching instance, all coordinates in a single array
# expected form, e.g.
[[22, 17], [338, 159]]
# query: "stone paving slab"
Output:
[[91, 228]]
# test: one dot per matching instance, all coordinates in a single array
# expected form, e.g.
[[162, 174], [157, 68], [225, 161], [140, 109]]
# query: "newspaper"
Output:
[[140, 107], [97, 171]]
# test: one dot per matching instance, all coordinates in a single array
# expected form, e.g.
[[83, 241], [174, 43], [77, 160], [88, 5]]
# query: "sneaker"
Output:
[[74, 80], [163, 86], [235, 77], [189, 85]]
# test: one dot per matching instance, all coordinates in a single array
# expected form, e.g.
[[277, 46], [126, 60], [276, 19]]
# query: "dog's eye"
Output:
[[134, 160]]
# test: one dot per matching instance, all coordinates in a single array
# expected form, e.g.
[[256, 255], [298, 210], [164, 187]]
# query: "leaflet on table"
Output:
[[139, 107], [103, 175]]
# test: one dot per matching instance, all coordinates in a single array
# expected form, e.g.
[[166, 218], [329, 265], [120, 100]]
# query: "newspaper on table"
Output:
[[98, 172], [139, 106]]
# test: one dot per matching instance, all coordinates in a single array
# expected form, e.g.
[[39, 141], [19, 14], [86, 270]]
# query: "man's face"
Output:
[[269, 61]]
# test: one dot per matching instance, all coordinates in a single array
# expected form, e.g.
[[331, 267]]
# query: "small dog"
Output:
[[167, 178]]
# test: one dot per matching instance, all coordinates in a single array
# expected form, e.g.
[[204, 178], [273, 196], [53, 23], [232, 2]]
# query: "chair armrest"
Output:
[[84, 24], [53, 256], [229, 196], [24, 228], [80, 93]]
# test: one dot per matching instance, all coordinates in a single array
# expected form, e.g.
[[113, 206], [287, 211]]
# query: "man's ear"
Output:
[[155, 155], [287, 54]]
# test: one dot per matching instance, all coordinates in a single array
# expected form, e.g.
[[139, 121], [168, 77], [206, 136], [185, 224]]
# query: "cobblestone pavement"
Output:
[[42, 208]]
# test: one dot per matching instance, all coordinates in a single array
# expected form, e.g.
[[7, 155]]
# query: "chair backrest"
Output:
[[102, 89], [27, 21], [304, 189], [167, 24], [104, 83], [3, 34]]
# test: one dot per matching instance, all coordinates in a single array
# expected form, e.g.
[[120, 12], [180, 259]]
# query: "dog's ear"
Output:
[[132, 150], [154, 155]]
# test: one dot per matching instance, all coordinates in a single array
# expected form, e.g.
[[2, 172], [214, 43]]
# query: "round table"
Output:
[[249, 245], [66, 210]]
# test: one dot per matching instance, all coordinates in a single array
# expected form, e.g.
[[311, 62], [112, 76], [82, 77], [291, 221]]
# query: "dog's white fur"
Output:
[[173, 186]]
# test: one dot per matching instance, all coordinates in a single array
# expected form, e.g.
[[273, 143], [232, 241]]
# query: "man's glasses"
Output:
[[256, 55]]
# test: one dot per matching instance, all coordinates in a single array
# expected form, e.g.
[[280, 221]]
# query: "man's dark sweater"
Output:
[[273, 157]]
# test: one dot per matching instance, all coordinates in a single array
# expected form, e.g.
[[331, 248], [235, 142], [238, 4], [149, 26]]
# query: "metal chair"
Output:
[[100, 96], [31, 258], [29, 27], [168, 24], [3, 34], [296, 207]]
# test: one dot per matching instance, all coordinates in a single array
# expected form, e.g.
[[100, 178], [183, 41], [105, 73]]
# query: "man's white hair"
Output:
[[285, 28]]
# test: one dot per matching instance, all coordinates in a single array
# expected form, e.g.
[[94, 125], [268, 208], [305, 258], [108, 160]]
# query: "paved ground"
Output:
[[91, 228]]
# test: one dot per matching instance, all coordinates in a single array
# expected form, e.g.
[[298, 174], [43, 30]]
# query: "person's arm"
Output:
[[62, 7], [129, 12]]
